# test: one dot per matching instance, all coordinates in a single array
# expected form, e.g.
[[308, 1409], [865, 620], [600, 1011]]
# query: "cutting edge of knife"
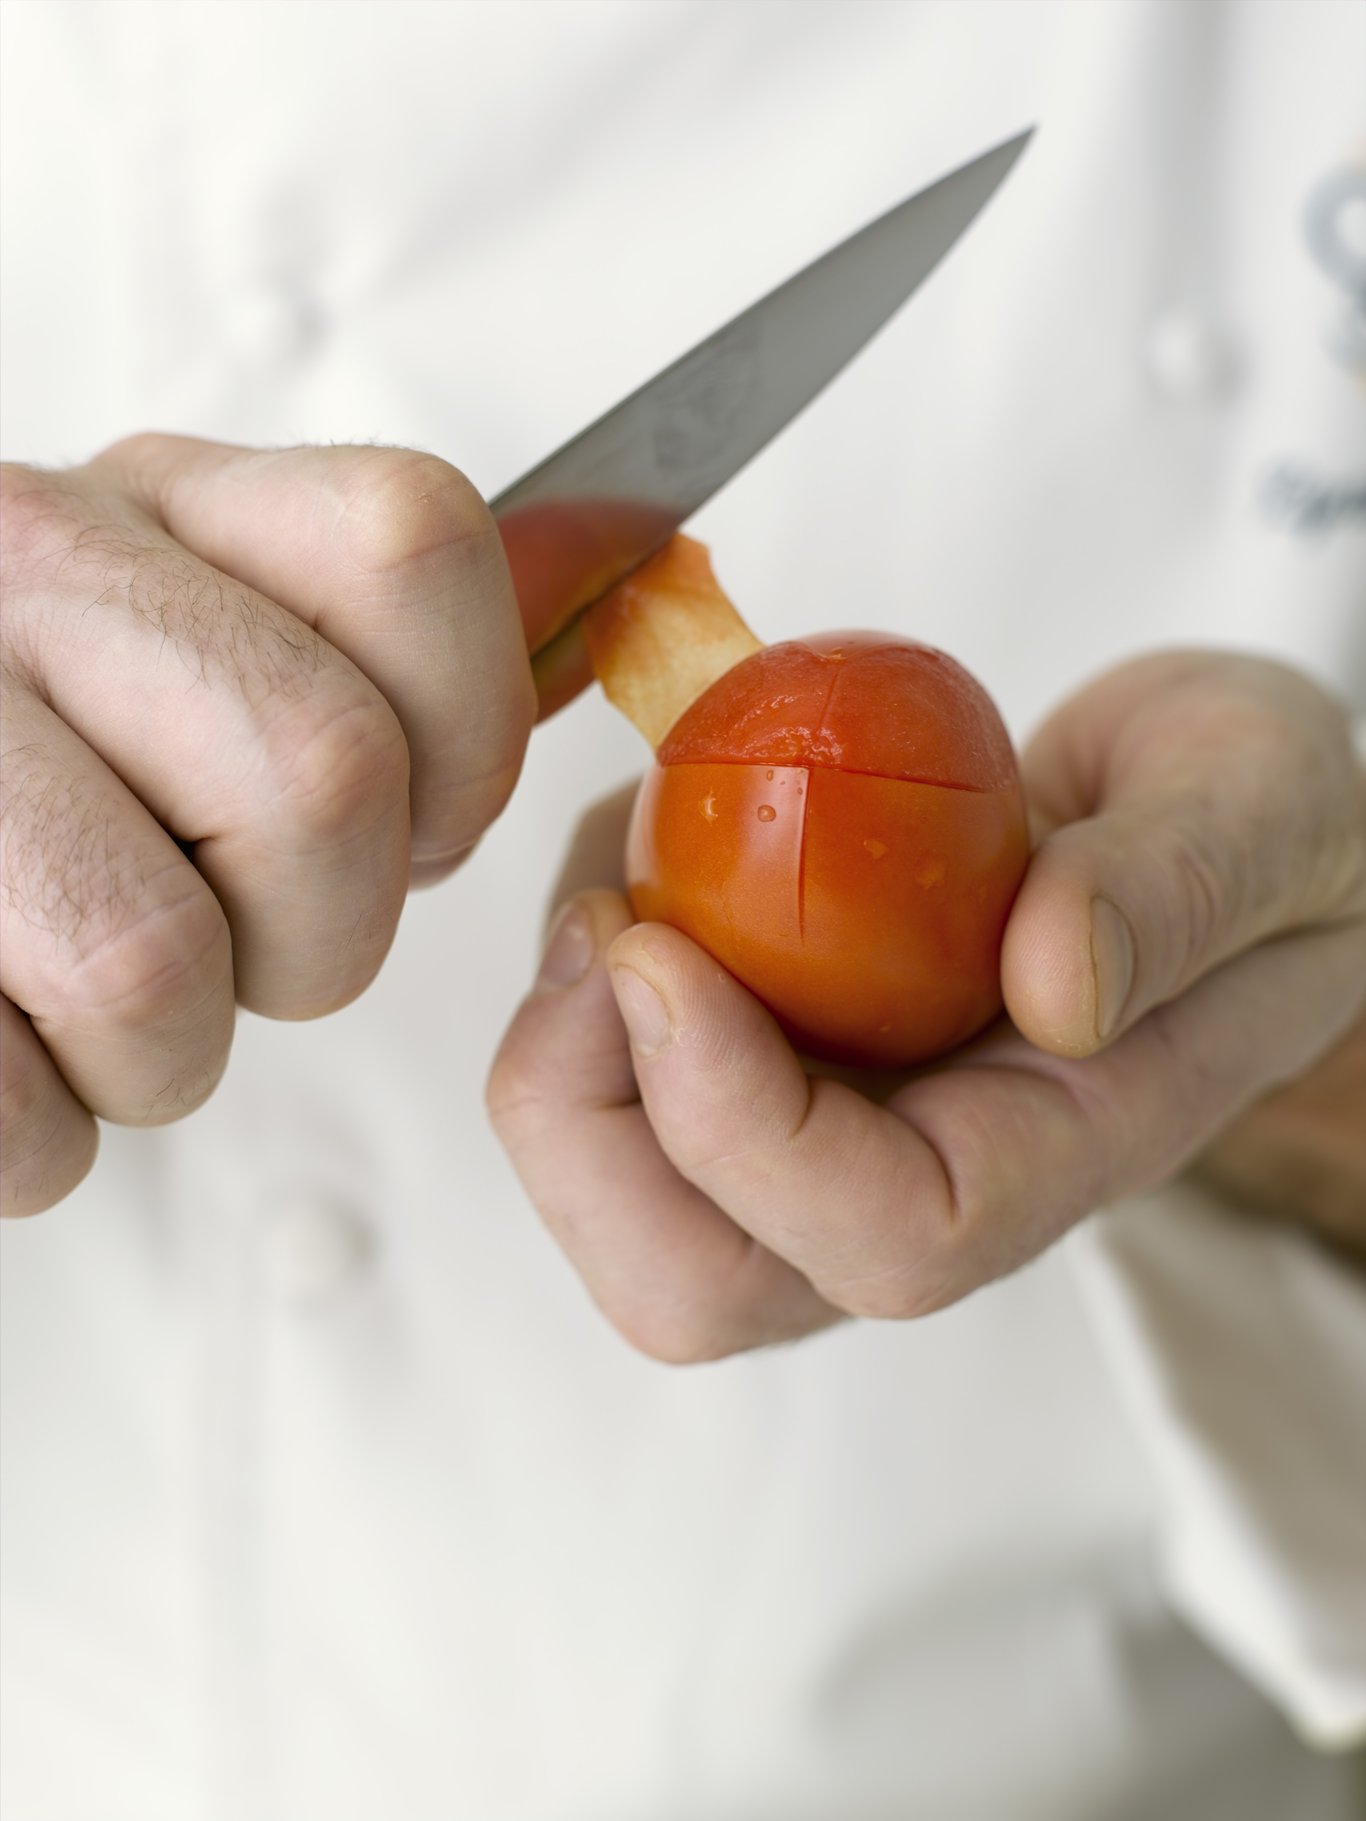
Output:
[[511, 496]]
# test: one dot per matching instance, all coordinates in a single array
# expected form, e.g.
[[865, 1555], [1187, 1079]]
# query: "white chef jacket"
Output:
[[326, 1492]]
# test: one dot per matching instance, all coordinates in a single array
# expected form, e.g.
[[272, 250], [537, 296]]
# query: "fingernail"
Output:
[[569, 951], [647, 1019], [1112, 962]]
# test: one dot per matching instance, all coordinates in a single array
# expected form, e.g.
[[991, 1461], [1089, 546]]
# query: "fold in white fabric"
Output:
[[1238, 1349]]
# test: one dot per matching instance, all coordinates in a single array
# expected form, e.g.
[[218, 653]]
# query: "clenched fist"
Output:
[[249, 697]]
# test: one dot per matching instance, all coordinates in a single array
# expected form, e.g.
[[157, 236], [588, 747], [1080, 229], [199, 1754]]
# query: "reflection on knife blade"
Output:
[[614, 493]]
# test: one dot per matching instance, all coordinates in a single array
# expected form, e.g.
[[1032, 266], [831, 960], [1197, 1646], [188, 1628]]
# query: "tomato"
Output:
[[559, 554], [839, 821], [561, 551]]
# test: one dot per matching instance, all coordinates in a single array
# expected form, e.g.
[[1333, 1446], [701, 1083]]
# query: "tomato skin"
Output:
[[850, 701], [866, 911], [561, 552]]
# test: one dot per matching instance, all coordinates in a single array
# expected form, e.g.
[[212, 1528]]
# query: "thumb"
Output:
[[1200, 803]]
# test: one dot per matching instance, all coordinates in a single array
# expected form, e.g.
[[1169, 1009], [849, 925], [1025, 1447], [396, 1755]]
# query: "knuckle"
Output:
[[102, 931], [672, 1335], [470, 808], [46, 1152], [404, 504], [71, 538], [335, 775], [486, 796], [40, 518], [1199, 1079], [30, 1110], [133, 453], [157, 969], [899, 1295], [534, 1089], [921, 1270], [25, 1100], [509, 1092], [1207, 897], [43, 1171]]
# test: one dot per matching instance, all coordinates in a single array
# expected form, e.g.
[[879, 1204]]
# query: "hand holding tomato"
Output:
[[837, 820], [1190, 933]]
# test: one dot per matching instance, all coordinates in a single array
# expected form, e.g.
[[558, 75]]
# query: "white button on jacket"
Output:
[[314, 1248], [1191, 359]]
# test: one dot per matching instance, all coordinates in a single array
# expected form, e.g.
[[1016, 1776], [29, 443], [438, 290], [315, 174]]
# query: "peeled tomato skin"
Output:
[[865, 912]]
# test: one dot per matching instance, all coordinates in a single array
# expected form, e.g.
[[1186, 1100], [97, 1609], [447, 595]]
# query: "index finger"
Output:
[[393, 558]]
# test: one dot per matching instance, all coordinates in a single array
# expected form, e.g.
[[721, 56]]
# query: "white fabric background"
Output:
[[326, 1494]]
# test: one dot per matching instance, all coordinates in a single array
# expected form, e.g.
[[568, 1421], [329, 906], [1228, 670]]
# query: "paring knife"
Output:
[[612, 495]]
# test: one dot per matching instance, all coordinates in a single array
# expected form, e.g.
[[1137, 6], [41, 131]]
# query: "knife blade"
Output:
[[617, 491]]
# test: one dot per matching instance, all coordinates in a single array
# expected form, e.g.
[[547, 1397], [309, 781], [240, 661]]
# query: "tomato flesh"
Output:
[[840, 823]]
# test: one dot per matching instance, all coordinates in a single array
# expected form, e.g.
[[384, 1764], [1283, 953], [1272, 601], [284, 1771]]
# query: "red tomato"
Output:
[[559, 553], [839, 821]]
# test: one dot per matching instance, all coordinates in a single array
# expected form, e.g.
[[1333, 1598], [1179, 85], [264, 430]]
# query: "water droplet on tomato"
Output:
[[930, 870], [876, 848], [769, 776], [767, 813], [709, 808]]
